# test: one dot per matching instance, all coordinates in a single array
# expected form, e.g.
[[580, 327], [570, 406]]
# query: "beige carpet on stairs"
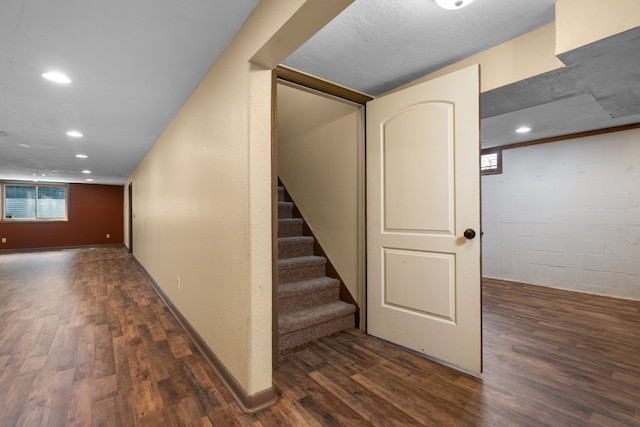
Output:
[[309, 305]]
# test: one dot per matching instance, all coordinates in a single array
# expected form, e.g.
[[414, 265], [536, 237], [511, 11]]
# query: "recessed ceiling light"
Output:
[[89, 179], [523, 129], [453, 4], [81, 156], [86, 171], [54, 76], [24, 145], [74, 133]]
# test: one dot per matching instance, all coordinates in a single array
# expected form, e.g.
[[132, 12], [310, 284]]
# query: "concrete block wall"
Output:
[[567, 215]]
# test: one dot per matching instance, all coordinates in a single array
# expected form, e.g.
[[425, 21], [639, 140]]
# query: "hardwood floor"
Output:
[[84, 340]]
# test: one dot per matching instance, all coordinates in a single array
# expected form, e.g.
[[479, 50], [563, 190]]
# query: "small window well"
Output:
[[491, 162]]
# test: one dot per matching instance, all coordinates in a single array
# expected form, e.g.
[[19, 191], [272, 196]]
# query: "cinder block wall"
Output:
[[567, 215]]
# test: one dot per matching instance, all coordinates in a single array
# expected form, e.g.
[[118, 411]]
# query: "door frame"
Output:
[[309, 82], [130, 197]]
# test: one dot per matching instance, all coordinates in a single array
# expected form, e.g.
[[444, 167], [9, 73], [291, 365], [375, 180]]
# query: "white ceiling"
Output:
[[134, 63], [377, 45]]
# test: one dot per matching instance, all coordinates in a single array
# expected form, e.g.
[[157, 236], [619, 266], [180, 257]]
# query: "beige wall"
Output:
[[580, 22], [320, 153], [525, 56], [202, 195]]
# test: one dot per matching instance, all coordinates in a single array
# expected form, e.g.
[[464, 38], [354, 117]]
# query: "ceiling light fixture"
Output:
[[86, 171], [523, 129], [89, 180], [74, 133], [81, 156], [453, 4], [56, 77]]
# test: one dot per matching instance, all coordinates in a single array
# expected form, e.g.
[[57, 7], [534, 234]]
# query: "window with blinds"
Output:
[[491, 162], [34, 202]]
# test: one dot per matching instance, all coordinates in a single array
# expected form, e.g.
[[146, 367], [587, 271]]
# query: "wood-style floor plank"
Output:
[[85, 341]]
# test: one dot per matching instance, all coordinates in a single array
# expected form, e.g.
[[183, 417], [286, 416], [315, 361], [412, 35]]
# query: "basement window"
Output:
[[34, 202], [491, 162]]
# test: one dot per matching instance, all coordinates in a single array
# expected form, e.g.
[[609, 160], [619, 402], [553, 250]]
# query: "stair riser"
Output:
[[299, 337], [285, 210], [308, 300], [289, 229], [295, 249], [298, 274]]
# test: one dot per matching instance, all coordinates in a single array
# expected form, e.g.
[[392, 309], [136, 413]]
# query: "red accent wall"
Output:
[[94, 211]]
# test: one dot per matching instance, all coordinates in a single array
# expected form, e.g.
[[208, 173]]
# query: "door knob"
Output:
[[469, 233]]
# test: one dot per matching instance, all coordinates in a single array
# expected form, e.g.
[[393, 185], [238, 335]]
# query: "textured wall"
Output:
[[202, 195], [567, 215], [94, 212]]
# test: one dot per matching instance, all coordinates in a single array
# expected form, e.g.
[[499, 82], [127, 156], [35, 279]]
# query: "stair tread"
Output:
[[300, 261], [312, 316], [292, 239], [306, 286], [293, 219]]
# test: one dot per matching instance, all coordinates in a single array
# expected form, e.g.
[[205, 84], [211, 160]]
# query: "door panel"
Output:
[[423, 191], [426, 200], [401, 266]]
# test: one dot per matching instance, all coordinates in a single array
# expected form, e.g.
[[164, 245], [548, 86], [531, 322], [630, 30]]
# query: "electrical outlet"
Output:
[[178, 282], [108, 236], [4, 240]]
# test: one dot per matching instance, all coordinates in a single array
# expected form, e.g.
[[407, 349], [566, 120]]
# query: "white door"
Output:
[[423, 193]]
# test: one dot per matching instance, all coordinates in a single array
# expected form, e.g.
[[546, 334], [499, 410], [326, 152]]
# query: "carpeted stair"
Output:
[[309, 305]]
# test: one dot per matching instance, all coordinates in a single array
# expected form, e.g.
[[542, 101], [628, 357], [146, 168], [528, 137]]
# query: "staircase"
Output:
[[309, 306]]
